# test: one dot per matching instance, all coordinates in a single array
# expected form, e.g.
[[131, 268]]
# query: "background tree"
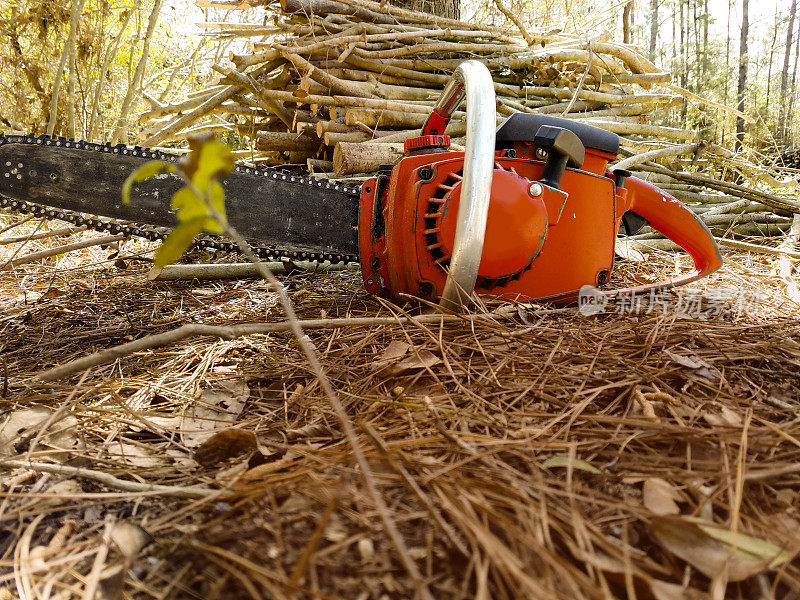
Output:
[[743, 58]]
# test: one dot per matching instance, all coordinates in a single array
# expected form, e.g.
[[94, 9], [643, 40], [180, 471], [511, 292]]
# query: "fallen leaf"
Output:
[[725, 418], [423, 359], [392, 353], [59, 493], [711, 549], [394, 350], [647, 587], [312, 430], [218, 407], [224, 445], [563, 461], [685, 361], [366, 549], [129, 538], [25, 423], [525, 315], [135, 455], [698, 366], [660, 497], [17, 424]]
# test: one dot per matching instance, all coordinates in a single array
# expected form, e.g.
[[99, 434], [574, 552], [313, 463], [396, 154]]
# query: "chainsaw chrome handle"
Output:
[[471, 80]]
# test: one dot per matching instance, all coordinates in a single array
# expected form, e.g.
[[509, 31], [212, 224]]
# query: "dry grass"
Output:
[[512, 451]]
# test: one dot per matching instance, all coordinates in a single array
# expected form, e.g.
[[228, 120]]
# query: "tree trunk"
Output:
[[792, 97], [684, 78], [742, 73], [626, 23], [783, 126], [653, 29], [727, 67], [771, 58]]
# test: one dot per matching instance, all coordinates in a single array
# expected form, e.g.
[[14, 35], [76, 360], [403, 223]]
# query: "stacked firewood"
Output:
[[336, 87]]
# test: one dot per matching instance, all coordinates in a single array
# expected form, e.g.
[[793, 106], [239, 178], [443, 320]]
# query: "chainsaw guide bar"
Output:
[[286, 216]]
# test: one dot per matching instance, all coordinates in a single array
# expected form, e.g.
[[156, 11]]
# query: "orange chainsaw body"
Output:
[[542, 241]]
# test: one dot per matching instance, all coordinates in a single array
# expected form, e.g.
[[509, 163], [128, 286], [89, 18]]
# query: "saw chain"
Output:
[[154, 233]]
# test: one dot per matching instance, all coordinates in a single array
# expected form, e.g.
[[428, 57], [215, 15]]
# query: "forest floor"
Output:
[[524, 452]]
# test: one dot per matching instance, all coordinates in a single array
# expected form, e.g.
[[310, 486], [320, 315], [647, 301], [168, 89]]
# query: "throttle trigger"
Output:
[[633, 222]]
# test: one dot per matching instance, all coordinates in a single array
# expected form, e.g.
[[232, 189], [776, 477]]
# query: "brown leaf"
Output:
[[423, 359], [217, 408], [224, 445], [393, 352], [711, 549], [698, 366], [685, 361], [129, 538], [725, 418], [660, 497]]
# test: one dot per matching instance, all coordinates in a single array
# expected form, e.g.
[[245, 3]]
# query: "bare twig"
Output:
[[109, 480], [34, 256], [42, 236]]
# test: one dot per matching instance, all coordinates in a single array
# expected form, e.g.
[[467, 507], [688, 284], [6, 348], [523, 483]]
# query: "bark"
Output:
[[791, 100], [278, 141], [653, 29], [771, 59], [742, 87], [323, 8], [782, 124], [626, 23]]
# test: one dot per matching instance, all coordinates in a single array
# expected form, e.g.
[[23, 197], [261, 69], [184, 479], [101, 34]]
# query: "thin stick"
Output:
[[41, 236], [109, 480], [638, 159], [34, 256], [17, 224], [237, 270], [229, 332], [757, 248], [514, 19], [580, 83]]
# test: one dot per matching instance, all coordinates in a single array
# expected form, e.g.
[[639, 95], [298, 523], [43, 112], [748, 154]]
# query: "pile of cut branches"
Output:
[[336, 87], [330, 74]]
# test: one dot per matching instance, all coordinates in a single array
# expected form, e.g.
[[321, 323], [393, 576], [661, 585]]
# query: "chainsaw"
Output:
[[528, 211]]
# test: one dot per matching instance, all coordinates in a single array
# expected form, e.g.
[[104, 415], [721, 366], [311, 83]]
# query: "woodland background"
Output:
[[97, 58]]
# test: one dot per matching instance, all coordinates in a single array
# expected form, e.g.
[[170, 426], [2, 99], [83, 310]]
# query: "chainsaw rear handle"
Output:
[[672, 218], [471, 80]]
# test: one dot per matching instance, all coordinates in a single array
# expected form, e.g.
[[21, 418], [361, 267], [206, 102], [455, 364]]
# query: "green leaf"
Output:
[[146, 171], [562, 460], [178, 241]]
